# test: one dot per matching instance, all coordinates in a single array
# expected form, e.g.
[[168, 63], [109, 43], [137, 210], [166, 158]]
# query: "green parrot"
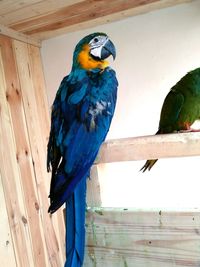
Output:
[[181, 108]]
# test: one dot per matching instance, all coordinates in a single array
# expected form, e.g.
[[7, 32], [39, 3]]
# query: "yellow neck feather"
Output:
[[87, 62]]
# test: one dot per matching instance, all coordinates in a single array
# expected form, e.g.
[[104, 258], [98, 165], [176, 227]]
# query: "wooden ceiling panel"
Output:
[[74, 14], [29, 9], [47, 18], [9, 6]]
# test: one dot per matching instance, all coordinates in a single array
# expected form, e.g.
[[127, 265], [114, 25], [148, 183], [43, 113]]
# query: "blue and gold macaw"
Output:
[[81, 115]]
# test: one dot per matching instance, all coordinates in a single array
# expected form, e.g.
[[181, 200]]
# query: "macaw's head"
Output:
[[92, 50]]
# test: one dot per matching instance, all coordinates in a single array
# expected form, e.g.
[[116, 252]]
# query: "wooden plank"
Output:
[[80, 12], [8, 6], [7, 255], [11, 180], [87, 14], [150, 147], [11, 15], [19, 36], [37, 150], [125, 238], [37, 75], [23, 154], [44, 121], [93, 189]]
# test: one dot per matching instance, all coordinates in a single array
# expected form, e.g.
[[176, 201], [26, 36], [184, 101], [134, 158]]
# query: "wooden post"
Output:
[[93, 189]]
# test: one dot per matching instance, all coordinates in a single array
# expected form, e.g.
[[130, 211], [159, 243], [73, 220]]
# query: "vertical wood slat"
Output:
[[37, 239], [7, 255], [11, 179], [36, 70], [23, 153], [37, 149], [93, 188], [44, 121]]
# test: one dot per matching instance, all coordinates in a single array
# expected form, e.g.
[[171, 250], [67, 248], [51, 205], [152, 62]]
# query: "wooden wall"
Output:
[[29, 236]]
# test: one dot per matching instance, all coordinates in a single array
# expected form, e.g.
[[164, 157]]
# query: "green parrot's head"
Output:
[[92, 50]]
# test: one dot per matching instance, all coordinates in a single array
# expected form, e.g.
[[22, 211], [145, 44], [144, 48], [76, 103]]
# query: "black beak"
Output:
[[108, 49]]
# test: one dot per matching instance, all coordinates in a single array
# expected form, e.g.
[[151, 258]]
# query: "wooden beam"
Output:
[[118, 237], [86, 14], [19, 36], [150, 147]]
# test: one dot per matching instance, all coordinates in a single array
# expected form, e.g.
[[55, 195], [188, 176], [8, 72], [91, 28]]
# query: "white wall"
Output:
[[154, 51]]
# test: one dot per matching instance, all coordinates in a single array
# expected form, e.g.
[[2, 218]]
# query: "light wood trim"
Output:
[[19, 36], [150, 147]]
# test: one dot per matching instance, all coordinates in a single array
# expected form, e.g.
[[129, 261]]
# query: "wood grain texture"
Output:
[[19, 36], [23, 154], [7, 255], [150, 147], [127, 238], [9, 6], [76, 13], [44, 121], [93, 188], [47, 18], [38, 151], [12, 11], [37, 238], [10, 175]]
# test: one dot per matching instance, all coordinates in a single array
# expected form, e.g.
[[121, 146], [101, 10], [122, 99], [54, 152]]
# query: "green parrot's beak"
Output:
[[108, 49]]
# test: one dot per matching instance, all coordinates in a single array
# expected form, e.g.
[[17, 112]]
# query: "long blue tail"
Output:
[[75, 225]]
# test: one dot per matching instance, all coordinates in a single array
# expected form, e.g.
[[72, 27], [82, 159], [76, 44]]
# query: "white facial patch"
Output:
[[96, 52], [96, 45]]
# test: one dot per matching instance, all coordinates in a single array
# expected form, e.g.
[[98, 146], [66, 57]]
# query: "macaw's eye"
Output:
[[96, 40]]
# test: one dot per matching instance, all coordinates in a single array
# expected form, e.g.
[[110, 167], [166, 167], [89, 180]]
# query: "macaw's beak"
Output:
[[108, 49]]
